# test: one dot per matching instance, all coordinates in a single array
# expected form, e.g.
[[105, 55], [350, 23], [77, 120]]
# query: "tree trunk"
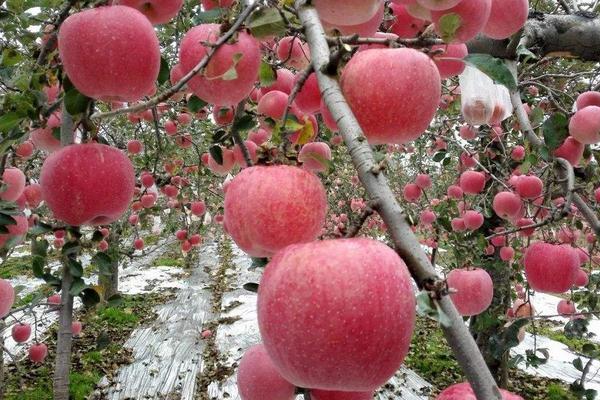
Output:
[[2, 326], [64, 339], [110, 283]]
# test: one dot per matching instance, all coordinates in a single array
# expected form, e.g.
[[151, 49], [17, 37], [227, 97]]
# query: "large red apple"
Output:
[[268, 208], [336, 314], [110, 53], [258, 379], [393, 93], [463, 391], [550, 268], [217, 84], [157, 11], [366, 29], [474, 290], [87, 184], [7, 297]]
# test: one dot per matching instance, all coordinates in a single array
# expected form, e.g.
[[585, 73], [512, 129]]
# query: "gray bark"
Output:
[[576, 35], [64, 338], [407, 245]]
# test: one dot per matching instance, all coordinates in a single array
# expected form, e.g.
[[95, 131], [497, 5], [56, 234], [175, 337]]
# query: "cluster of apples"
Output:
[[20, 331]]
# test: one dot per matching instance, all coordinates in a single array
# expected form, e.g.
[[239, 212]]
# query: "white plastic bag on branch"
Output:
[[502, 107], [478, 96]]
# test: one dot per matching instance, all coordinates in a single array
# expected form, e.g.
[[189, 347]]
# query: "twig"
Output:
[[367, 212], [174, 89], [235, 133], [51, 42]]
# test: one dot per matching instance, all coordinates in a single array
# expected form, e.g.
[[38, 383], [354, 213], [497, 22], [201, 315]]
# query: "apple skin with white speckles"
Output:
[[258, 379], [269, 208], [336, 395], [475, 290], [337, 314], [463, 391], [396, 101]]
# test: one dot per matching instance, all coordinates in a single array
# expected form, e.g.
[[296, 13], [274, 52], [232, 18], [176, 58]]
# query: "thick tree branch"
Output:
[[574, 35], [407, 245], [588, 214]]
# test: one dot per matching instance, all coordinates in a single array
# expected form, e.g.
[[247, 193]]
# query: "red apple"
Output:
[[475, 290], [76, 328], [110, 53], [320, 322], [472, 182], [347, 12], [157, 11], [585, 99], [566, 308], [507, 205], [550, 268], [134, 146], [13, 184], [87, 184], [7, 297], [21, 332], [217, 85], [584, 125], [463, 391], [446, 61], [258, 379], [470, 18], [317, 394], [405, 25], [506, 18], [293, 52], [287, 203], [38, 352], [401, 98]]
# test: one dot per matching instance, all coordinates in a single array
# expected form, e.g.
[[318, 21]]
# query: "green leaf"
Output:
[[165, 71], [292, 124], [525, 54], [259, 262], [209, 16], [493, 67], [37, 266], [75, 268], [448, 25], [251, 287], [266, 22], [216, 152], [231, 73], [11, 57], [536, 117], [75, 102], [266, 74], [556, 130], [97, 236], [7, 220], [70, 248], [245, 123], [195, 104], [578, 364], [89, 297], [39, 229], [103, 262], [39, 248], [52, 280], [439, 156], [9, 121], [77, 287]]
